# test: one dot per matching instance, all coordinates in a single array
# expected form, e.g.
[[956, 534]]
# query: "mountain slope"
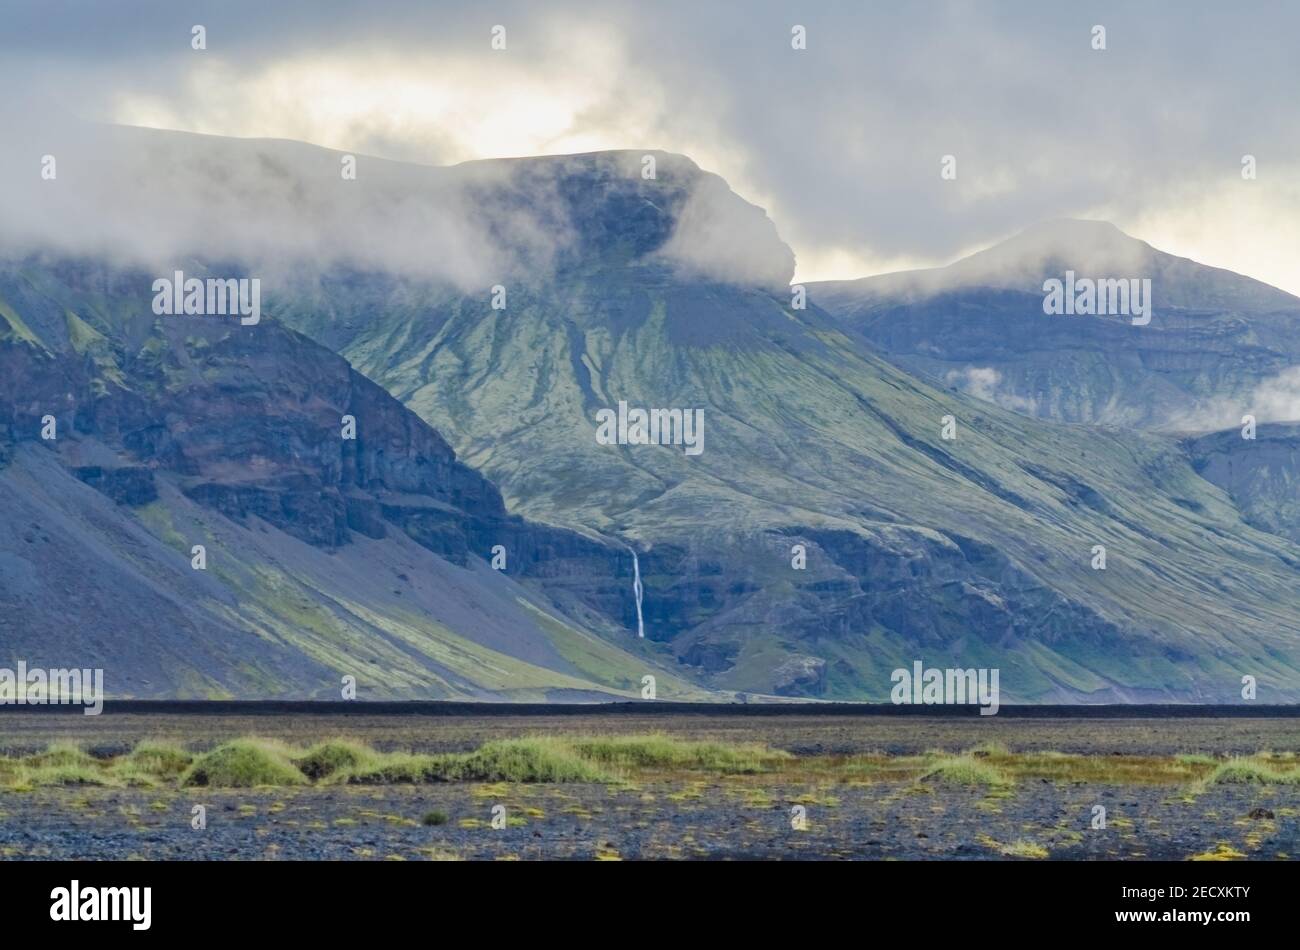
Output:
[[1218, 344], [968, 552], [325, 557], [1261, 475]]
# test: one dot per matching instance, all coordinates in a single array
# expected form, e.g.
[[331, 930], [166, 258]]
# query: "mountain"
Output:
[[826, 533], [325, 557], [970, 552], [1218, 345]]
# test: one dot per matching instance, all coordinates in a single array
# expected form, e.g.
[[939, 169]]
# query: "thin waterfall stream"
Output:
[[637, 592]]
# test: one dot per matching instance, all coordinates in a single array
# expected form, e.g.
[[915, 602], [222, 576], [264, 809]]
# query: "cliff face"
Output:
[[250, 421]]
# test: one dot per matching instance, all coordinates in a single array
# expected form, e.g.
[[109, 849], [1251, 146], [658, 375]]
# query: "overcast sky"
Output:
[[842, 142]]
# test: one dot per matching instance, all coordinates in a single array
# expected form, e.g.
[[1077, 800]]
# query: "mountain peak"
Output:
[[1089, 248], [625, 205], [1074, 230], [1080, 237], [1049, 248]]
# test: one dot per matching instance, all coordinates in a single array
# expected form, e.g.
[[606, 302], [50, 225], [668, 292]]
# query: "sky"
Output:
[[843, 142]]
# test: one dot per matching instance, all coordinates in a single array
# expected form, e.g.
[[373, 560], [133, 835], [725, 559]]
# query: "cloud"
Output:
[[154, 199], [722, 238], [434, 107], [1276, 399], [840, 142], [982, 382], [160, 200]]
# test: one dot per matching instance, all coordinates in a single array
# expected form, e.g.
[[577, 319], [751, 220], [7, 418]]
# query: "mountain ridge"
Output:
[[1091, 248], [1218, 345]]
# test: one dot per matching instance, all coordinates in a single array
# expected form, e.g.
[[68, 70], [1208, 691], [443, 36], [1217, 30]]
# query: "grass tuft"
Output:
[[665, 752], [62, 763], [392, 768], [159, 760], [40, 775], [1243, 771], [244, 763], [62, 755], [989, 749], [332, 755], [536, 759], [964, 770]]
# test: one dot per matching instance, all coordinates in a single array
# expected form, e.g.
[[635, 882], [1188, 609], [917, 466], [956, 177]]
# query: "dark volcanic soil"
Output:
[[692, 820], [713, 817]]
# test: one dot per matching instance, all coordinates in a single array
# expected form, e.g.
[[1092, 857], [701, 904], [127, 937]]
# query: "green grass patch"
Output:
[[333, 755], [392, 768], [1243, 771], [244, 763], [37, 776], [153, 759], [62, 763], [964, 770], [536, 759], [62, 755], [665, 752]]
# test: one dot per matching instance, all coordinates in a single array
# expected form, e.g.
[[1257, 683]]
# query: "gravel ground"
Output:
[[675, 820], [681, 817]]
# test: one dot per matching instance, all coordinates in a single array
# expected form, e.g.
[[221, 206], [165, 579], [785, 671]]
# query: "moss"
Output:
[[17, 330], [1222, 852], [1024, 849]]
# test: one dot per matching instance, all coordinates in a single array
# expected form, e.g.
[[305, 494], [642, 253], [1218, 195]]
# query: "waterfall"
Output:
[[636, 591]]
